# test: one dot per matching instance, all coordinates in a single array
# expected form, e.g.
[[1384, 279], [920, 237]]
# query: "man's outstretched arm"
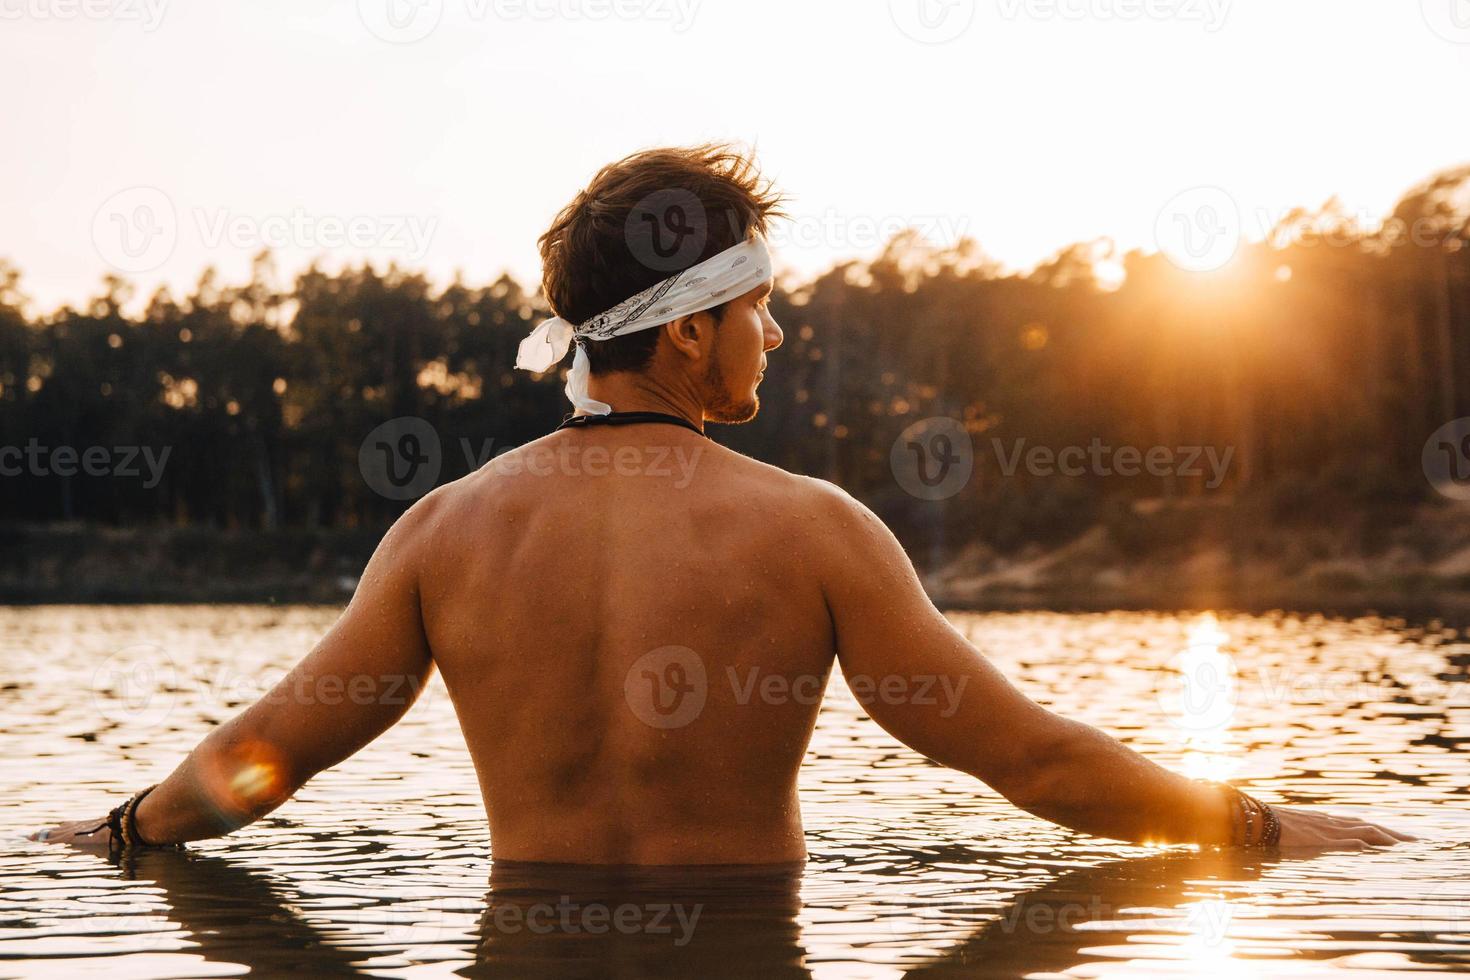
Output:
[[357, 682], [1061, 770]]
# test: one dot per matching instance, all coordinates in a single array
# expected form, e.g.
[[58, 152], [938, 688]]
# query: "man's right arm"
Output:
[[1058, 769]]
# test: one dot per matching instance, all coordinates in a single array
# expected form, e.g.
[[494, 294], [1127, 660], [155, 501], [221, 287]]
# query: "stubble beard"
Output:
[[724, 408]]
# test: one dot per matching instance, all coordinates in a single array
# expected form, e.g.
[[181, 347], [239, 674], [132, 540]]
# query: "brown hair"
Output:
[[638, 222]]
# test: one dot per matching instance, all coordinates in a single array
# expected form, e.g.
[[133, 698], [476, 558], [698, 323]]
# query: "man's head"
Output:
[[638, 222]]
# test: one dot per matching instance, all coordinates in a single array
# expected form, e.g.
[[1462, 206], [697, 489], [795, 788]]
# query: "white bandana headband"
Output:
[[734, 272]]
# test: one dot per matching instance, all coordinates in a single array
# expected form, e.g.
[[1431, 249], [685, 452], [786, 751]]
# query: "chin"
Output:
[[734, 413]]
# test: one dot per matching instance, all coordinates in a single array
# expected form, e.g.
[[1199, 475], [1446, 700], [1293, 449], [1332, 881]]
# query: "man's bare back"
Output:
[[600, 603]]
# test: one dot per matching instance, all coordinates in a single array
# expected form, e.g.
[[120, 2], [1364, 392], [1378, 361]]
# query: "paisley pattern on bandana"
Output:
[[606, 326]]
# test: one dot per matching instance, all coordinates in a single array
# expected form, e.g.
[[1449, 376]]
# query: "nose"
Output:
[[773, 334]]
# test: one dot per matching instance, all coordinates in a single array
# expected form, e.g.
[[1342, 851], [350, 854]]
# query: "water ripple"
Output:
[[379, 867]]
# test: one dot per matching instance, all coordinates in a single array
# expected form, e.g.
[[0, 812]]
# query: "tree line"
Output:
[[1321, 358]]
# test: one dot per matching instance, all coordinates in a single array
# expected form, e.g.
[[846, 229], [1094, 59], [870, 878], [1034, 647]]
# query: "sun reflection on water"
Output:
[[1205, 708], [1206, 943]]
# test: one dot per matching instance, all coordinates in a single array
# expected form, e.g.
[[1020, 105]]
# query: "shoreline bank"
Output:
[[85, 564]]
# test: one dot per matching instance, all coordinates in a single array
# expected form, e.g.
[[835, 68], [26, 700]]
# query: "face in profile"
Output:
[[742, 339]]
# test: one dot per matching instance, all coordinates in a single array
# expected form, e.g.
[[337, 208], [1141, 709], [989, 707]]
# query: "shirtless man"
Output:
[[612, 605]]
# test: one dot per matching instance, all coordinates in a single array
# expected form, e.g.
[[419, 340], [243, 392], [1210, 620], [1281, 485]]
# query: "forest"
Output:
[[1313, 367]]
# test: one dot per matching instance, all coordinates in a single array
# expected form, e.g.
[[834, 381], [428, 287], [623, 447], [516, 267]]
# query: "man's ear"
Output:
[[691, 336]]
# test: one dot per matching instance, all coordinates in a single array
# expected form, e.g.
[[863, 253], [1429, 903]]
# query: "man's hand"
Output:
[[1308, 828], [83, 833]]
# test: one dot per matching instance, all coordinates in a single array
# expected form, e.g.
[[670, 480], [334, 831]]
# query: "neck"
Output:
[[628, 392]]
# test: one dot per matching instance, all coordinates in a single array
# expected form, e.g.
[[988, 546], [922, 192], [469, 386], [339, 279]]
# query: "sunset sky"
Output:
[[446, 133]]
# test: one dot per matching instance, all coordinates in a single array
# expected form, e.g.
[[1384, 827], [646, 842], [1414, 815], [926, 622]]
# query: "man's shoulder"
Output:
[[807, 509], [809, 492], [437, 518], [826, 499]]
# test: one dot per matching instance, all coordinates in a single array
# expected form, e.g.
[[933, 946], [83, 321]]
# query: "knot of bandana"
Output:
[[731, 273]]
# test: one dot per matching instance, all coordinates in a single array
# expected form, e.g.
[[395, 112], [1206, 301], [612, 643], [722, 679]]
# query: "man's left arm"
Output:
[[354, 685]]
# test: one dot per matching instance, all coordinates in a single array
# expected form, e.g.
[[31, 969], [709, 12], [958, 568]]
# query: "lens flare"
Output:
[[249, 778]]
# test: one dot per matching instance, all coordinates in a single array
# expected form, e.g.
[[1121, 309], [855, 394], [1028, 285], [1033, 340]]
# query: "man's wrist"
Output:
[[145, 822], [127, 823], [1220, 823], [1247, 821]]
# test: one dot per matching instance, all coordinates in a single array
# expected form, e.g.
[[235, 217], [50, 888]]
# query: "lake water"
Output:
[[380, 866]]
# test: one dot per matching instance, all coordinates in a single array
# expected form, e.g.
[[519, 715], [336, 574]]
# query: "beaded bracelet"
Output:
[[1252, 823], [1248, 811], [1270, 823], [123, 822]]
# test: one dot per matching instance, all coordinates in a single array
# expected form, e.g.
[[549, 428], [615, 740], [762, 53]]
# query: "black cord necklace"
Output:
[[627, 418]]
